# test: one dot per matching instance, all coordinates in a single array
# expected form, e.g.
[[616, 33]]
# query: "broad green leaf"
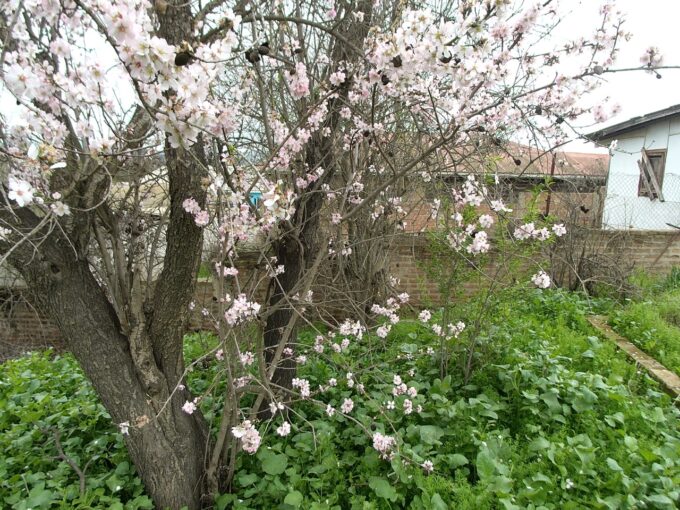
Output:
[[437, 503], [613, 465], [39, 497], [457, 460], [222, 501], [656, 416], [486, 465], [294, 498], [661, 499], [584, 400], [247, 479], [274, 463], [540, 443], [382, 488], [550, 399], [430, 434]]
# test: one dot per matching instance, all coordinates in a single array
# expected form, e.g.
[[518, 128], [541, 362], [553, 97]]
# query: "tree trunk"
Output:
[[167, 447], [296, 248], [294, 251]]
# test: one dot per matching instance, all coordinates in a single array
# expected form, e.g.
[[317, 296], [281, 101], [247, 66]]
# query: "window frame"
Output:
[[653, 153]]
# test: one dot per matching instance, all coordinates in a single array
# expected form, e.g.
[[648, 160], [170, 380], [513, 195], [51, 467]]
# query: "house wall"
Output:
[[623, 208]]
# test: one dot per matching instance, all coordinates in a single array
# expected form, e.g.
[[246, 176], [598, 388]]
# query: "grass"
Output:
[[653, 325]]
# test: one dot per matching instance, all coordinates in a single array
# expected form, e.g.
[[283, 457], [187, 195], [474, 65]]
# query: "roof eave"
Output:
[[634, 123]]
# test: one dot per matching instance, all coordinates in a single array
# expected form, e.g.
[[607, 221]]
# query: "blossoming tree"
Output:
[[114, 103]]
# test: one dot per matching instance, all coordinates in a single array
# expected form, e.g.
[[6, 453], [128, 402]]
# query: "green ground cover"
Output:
[[653, 322], [552, 418]]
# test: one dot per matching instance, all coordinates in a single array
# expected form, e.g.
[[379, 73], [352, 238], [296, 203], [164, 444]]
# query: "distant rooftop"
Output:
[[567, 164], [634, 123]]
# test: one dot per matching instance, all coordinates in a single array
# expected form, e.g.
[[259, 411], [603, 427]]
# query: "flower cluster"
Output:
[[541, 280], [384, 445], [652, 57], [303, 386], [529, 231], [241, 310], [201, 217], [249, 436]]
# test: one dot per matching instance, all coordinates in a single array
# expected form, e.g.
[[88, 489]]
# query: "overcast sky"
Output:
[[653, 23]]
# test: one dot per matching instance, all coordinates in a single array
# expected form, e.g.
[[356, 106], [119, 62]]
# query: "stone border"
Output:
[[668, 379]]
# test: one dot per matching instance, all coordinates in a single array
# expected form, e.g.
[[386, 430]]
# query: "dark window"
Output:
[[652, 166]]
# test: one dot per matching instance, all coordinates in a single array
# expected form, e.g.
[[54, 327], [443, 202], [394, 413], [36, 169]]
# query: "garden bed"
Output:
[[552, 417]]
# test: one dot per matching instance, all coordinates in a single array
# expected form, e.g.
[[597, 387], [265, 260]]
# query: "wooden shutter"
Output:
[[651, 166]]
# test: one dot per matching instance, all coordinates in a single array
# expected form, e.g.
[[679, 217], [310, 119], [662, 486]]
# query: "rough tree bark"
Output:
[[167, 451]]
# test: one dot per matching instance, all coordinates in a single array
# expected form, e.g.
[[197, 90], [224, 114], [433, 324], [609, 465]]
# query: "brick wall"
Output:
[[22, 328]]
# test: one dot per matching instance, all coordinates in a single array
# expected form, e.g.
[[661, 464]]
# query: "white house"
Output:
[[643, 183]]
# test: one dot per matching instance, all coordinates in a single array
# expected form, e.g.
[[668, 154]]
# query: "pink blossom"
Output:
[[524, 232], [383, 331], [298, 81], [347, 406], [246, 358], [303, 386], [485, 221], [559, 229], [284, 429], [60, 209], [541, 280], [399, 389], [191, 206], [337, 78], [249, 436], [383, 444], [241, 310], [542, 234], [456, 329], [189, 407], [652, 57], [480, 243], [499, 206], [20, 191], [202, 218], [274, 407]]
